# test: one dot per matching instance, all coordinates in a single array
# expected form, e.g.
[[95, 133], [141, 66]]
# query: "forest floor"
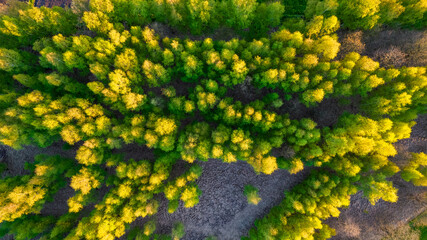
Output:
[[223, 210]]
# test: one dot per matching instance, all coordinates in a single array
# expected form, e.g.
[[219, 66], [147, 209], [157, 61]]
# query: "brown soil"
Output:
[[391, 47]]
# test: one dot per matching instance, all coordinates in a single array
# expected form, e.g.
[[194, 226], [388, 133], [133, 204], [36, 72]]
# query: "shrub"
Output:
[[251, 194]]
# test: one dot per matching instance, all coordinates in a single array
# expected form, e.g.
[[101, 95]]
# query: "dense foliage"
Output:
[[301, 212], [98, 78], [365, 14]]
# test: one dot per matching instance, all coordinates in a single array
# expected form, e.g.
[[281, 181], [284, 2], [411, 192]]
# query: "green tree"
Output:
[[320, 26], [299, 214], [359, 14], [178, 231], [27, 227], [97, 22], [127, 60], [415, 171], [26, 23], [240, 13], [251, 194], [12, 61], [87, 179], [134, 12], [326, 47], [374, 190], [325, 8], [266, 16], [414, 14], [156, 74], [390, 10], [27, 194], [201, 15]]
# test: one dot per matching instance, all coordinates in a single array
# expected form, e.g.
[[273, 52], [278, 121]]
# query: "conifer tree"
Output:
[[12, 61]]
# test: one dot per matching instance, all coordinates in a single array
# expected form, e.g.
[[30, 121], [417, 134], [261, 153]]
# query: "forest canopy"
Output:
[[96, 77]]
